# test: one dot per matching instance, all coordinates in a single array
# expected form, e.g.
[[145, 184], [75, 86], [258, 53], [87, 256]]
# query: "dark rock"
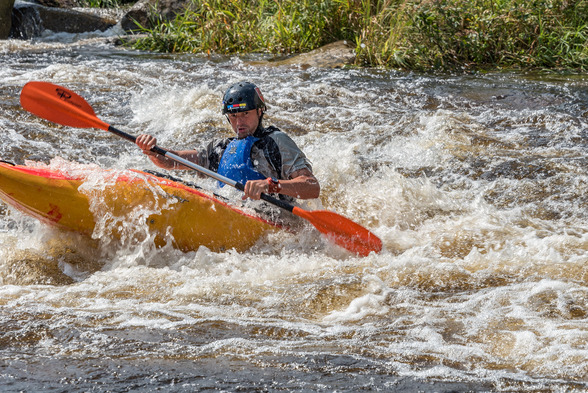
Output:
[[5, 18], [139, 14], [57, 3], [30, 20]]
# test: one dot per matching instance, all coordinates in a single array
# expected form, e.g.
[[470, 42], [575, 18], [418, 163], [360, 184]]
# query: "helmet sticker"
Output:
[[236, 106]]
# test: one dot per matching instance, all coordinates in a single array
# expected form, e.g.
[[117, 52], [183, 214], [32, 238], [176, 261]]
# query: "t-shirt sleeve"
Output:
[[293, 159]]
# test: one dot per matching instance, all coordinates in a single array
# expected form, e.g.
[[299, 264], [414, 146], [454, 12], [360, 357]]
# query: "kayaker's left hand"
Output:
[[146, 143], [254, 188]]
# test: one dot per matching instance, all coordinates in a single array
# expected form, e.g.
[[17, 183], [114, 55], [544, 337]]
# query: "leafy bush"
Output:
[[410, 34]]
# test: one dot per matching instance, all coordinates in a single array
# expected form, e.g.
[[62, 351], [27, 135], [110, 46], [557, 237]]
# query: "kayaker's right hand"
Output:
[[146, 143]]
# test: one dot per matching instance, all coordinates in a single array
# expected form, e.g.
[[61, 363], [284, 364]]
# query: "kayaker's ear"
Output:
[[260, 114]]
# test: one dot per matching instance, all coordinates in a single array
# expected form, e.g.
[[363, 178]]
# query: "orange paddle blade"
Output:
[[342, 231], [59, 105]]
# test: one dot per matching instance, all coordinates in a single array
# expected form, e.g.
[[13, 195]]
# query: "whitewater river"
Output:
[[476, 184]]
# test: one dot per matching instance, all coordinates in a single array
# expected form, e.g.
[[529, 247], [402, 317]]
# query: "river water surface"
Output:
[[476, 184]]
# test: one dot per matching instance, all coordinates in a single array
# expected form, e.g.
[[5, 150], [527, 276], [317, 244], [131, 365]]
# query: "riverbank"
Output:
[[404, 34], [415, 35]]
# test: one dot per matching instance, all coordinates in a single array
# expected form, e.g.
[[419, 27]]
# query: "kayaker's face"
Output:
[[245, 123]]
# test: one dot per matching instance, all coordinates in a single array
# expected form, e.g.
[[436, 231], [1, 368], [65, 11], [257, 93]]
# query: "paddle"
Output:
[[62, 106]]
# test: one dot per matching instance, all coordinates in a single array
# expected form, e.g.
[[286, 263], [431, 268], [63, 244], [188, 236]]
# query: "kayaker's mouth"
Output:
[[242, 132]]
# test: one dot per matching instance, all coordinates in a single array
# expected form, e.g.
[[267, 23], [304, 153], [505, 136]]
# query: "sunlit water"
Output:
[[476, 184]]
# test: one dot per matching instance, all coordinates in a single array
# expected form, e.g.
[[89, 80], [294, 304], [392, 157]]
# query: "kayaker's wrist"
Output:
[[274, 186]]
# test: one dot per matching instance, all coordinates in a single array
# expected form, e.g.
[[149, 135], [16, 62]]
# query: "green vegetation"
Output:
[[238, 26], [408, 34], [103, 3]]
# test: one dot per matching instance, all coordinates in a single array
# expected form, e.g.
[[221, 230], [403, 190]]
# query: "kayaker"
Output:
[[266, 160]]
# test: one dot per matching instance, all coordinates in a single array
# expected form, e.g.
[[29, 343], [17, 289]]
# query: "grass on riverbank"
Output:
[[103, 3], [406, 34]]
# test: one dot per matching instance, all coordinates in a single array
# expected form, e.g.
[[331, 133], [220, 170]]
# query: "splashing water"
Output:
[[476, 184]]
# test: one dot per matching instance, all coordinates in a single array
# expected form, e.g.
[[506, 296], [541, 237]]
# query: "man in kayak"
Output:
[[265, 160]]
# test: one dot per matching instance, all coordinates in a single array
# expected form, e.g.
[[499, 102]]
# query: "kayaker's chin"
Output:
[[243, 133]]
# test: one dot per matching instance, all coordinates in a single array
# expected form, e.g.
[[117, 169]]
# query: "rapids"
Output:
[[476, 184]]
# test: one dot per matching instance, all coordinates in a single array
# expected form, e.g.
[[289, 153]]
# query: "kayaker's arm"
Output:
[[302, 185], [146, 143]]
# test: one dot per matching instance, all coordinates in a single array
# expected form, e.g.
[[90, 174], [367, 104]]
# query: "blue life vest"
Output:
[[236, 162]]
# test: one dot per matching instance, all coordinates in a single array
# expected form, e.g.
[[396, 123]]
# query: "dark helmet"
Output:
[[241, 97]]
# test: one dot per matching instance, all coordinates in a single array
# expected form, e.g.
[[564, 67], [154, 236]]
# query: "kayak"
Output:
[[125, 204]]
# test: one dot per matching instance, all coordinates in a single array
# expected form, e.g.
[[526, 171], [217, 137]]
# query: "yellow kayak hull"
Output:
[[130, 202]]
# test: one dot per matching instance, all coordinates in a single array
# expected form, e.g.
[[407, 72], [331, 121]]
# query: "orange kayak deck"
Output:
[[129, 203]]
